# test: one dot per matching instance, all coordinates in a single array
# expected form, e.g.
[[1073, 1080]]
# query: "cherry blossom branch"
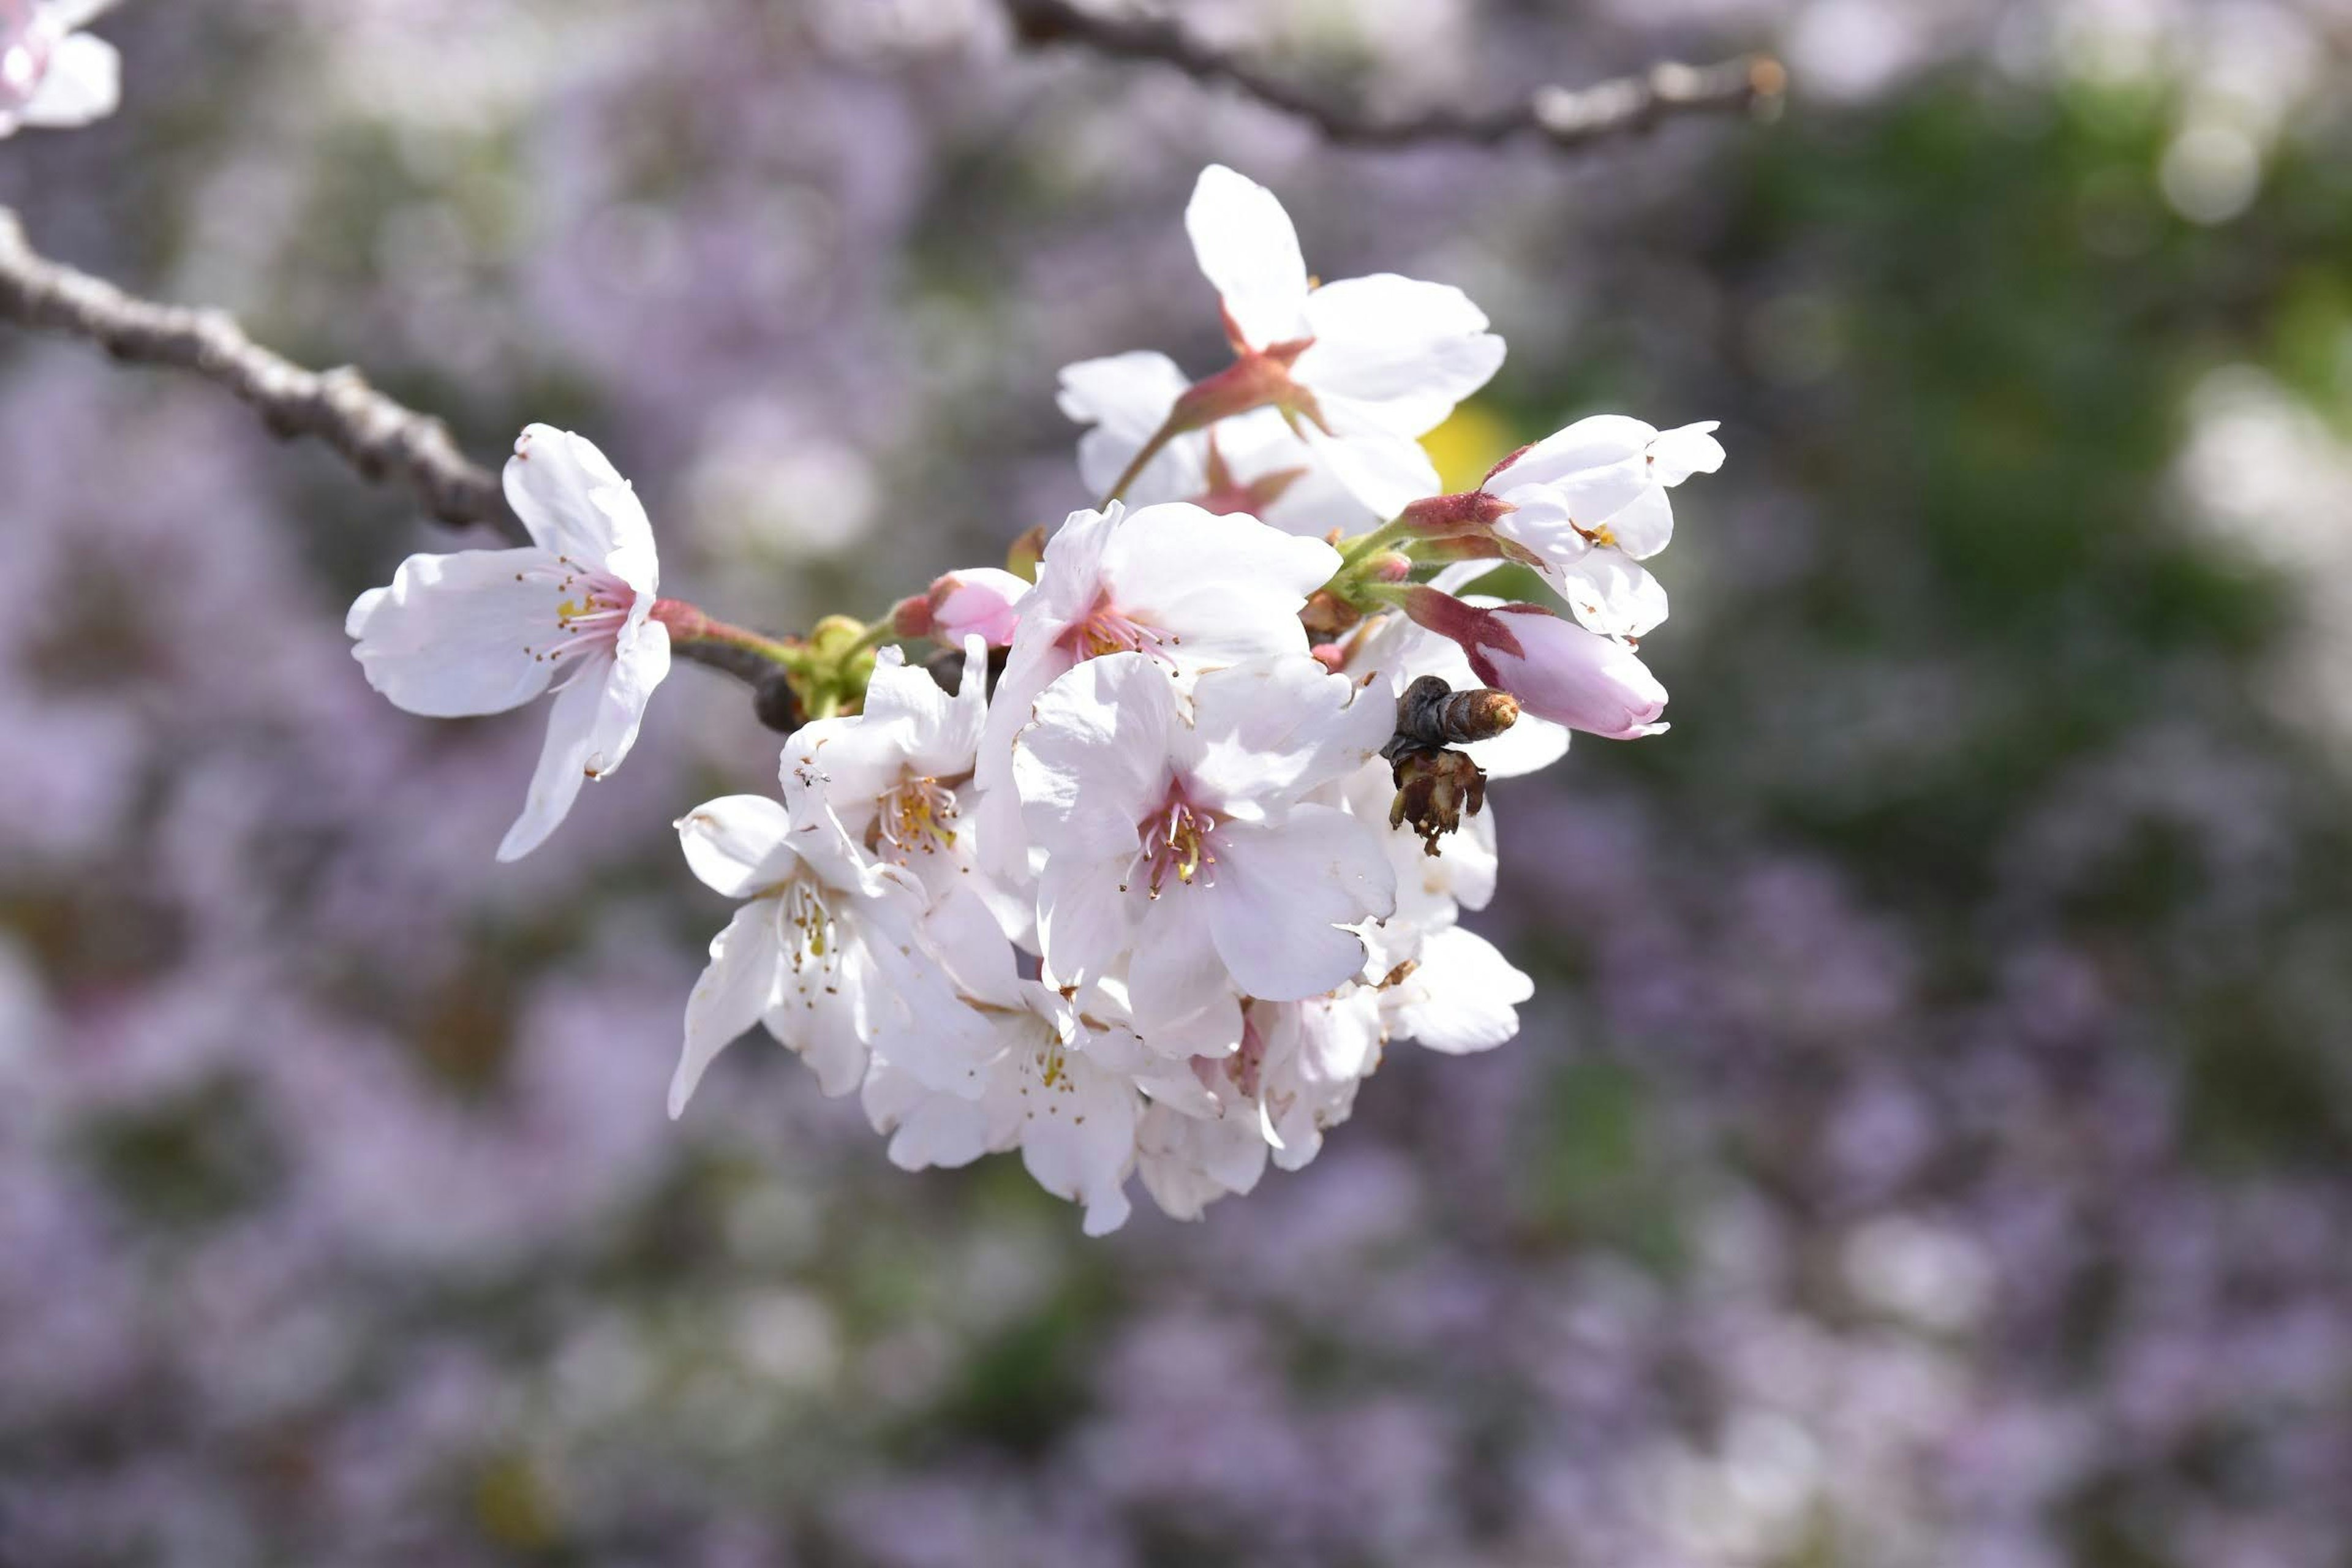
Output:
[[381, 439], [1566, 117]]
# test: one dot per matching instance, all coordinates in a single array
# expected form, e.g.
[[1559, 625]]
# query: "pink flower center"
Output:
[[1179, 842], [1107, 629], [589, 617]]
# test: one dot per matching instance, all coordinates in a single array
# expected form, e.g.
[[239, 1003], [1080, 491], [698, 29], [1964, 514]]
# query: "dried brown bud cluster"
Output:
[[1436, 786]]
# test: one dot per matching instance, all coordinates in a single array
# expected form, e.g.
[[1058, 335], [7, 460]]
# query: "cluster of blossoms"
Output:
[[1141, 875], [51, 72]]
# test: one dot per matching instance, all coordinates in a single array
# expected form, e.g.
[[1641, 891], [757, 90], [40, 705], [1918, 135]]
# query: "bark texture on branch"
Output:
[[382, 439], [1565, 117]]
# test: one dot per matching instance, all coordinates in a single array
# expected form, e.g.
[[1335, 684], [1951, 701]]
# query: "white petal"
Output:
[[1285, 892], [1386, 471], [1643, 526], [1611, 594], [1408, 349], [455, 635], [1082, 917], [963, 934], [1223, 588], [941, 732], [84, 82], [737, 843], [1690, 449], [1175, 971], [735, 989], [928, 1129], [1276, 728], [1463, 998], [575, 503], [1249, 252], [1095, 760], [640, 662], [563, 761], [826, 1030], [1127, 398], [1598, 442], [857, 759]]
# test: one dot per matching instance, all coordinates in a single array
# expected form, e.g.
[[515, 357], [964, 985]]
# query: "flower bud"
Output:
[[980, 600], [1445, 517], [1554, 668]]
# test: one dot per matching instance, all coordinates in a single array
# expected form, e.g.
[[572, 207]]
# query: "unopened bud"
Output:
[[1444, 517], [911, 616]]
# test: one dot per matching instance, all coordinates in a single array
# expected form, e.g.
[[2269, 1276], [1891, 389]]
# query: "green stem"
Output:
[[688, 625]]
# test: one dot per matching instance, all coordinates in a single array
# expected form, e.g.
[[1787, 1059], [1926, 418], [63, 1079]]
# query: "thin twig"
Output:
[[382, 438], [1566, 117]]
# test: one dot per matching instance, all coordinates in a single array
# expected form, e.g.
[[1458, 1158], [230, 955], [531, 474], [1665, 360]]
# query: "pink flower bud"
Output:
[[1472, 512], [1554, 668], [981, 599]]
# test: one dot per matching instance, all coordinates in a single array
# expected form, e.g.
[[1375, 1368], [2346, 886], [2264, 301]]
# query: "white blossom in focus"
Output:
[[1057, 1078], [1377, 361], [825, 951], [1177, 836], [1185, 587], [482, 631], [1590, 502], [52, 74], [894, 774]]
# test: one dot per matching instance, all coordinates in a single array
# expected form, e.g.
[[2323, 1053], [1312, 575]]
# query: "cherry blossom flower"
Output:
[[1249, 462], [1362, 368], [482, 631], [892, 774], [1182, 586], [825, 951], [1058, 1079], [1317, 1051], [1590, 503], [1178, 836], [52, 73]]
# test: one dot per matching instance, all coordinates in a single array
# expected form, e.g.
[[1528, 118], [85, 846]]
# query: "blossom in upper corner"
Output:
[[1358, 370], [1554, 668], [1590, 502], [482, 631], [1179, 838], [52, 73]]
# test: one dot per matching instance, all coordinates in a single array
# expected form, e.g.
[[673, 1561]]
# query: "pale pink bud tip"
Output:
[[983, 600], [1561, 672]]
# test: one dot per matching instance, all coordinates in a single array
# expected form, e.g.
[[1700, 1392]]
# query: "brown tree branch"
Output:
[[1566, 117], [381, 439]]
